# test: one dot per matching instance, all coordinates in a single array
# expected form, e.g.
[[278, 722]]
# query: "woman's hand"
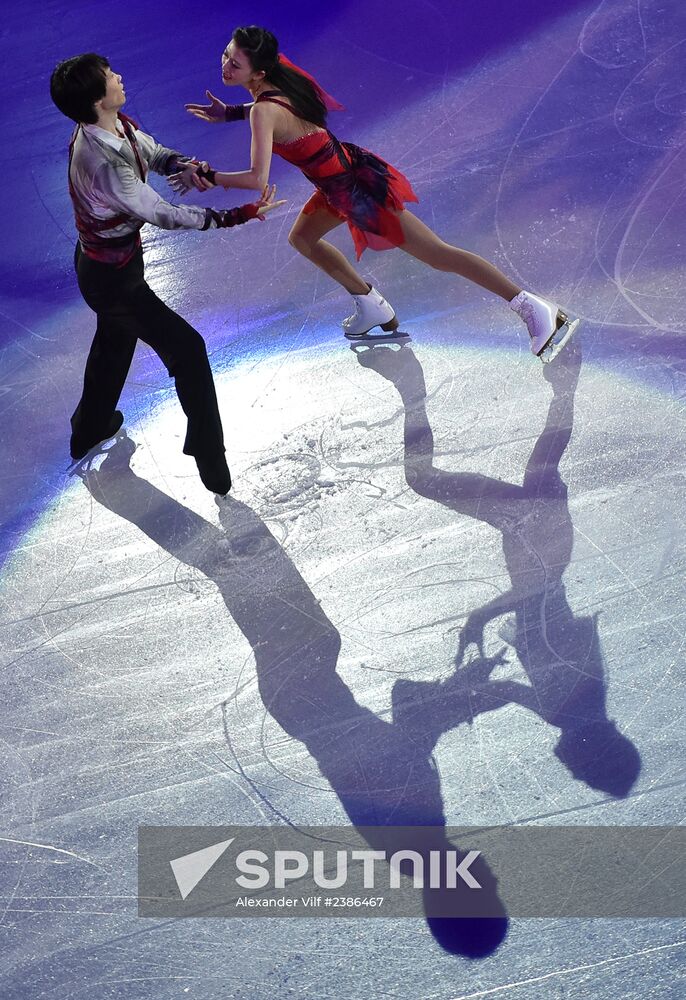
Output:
[[266, 202], [187, 179], [214, 112]]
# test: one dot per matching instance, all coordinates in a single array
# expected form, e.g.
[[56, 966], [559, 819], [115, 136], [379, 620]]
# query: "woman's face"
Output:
[[236, 68]]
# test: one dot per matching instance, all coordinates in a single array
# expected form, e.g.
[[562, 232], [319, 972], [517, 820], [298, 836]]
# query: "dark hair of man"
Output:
[[262, 49], [77, 83]]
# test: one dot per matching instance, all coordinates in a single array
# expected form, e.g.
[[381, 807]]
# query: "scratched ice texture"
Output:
[[444, 572]]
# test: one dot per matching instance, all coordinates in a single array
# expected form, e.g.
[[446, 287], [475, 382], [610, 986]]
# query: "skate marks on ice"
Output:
[[559, 652], [382, 777], [594, 171]]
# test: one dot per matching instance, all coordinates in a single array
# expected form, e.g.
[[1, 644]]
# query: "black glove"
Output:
[[207, 173], [234, 112], [223, 218]]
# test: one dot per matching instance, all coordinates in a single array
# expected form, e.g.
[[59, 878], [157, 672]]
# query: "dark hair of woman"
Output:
[[77, 83], [262, 49]]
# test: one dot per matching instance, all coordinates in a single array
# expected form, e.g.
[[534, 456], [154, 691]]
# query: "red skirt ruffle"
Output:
[[369, 197]]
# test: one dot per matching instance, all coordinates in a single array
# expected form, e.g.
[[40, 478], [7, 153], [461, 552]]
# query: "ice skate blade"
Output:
[[558, 341], [372, 335], [388, 327], [77, 466]]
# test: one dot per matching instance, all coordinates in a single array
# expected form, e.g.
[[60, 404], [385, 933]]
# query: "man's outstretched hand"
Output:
[[188, 179], [266, 202]]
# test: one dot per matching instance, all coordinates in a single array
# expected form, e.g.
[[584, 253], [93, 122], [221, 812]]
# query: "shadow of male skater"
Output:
[[559, 652], [381, 776]]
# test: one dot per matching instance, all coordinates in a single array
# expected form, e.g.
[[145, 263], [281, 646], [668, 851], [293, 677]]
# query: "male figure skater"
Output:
[[109, 159]]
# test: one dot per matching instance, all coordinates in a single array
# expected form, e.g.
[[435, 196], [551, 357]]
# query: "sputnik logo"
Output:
[[192, 868]]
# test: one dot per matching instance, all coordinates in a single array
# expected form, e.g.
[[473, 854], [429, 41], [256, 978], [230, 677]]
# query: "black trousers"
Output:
[[128, 310]]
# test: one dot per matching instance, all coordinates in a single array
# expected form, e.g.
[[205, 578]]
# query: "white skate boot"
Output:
[[370, 310], [549, 328]]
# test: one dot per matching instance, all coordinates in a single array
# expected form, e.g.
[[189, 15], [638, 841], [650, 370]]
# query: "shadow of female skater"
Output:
[[382, 777], [559, 652]]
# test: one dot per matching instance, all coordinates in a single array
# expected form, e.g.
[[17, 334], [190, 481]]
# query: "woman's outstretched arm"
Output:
[[217, 111], [256, 178], [262, 128]]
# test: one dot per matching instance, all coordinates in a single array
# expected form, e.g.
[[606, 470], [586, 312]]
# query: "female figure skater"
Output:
[[288, 117]]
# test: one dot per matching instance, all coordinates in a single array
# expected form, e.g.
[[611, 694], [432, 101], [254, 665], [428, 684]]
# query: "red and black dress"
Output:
[[352, 183]]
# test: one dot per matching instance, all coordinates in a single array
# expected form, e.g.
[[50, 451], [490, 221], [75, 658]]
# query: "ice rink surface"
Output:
[[447, 585]]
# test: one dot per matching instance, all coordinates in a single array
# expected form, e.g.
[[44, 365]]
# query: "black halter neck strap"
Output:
[[268, 97]]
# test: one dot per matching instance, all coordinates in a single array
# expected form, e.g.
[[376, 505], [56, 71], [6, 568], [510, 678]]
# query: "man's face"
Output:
[[114, 92]]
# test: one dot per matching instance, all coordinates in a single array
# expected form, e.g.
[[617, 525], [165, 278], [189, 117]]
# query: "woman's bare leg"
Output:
[[306, 238], [547, 324], [422, 243]]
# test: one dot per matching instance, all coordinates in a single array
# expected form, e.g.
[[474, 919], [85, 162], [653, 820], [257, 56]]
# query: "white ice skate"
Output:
[[549, 328], [370, 310]]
